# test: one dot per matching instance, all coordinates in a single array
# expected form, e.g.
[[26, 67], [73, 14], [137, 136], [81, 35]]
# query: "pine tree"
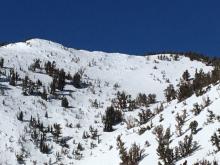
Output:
[[35, 65], [215, 139], [80, 147], [151, 98], [122, 150], [44, 94], [145, 116], [196, 109], [34, 136], [53, 86], [193, 126], [76, 80], [187, 146], [12, 80], [64, 102], [131, 105], [46, 114], [131, 157], [53, 68], [170, 93], [215, 76], [117, 117], [176, 57], [179, 124], [39, 83], [20, 158], [108, 119], [25, 83], [48, 67], [206, 101], [68, 76], [135, 154], [20, 116], [61, 80], [185, 91], [199, 82], [57, 131], [1, 62], [211, 116], [164, 151], [122, 98], [141, 100], [111, 118], [186, 75]]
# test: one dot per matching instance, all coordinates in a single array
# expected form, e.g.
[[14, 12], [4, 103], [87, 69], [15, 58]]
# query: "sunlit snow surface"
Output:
[[133, 74]]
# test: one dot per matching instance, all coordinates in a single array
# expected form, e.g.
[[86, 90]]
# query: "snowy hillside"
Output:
[[102, 76]]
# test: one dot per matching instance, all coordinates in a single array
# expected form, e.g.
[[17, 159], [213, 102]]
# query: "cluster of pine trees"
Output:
[[58, 82], [31, 88], [41, 134], [166, 153], [123, 102], [131, 157], [59, 75], [188, 86]]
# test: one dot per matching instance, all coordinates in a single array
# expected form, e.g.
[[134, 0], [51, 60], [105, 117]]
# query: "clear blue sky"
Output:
[[129, 26]]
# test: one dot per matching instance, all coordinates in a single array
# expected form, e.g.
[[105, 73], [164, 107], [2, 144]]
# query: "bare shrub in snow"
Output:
[[130, 121]]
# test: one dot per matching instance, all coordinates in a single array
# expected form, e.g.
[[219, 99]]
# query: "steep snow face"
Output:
[[107, 73], [133, 73]]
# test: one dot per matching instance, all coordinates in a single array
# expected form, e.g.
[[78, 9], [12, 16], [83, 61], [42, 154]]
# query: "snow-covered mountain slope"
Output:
[[106, 74]]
